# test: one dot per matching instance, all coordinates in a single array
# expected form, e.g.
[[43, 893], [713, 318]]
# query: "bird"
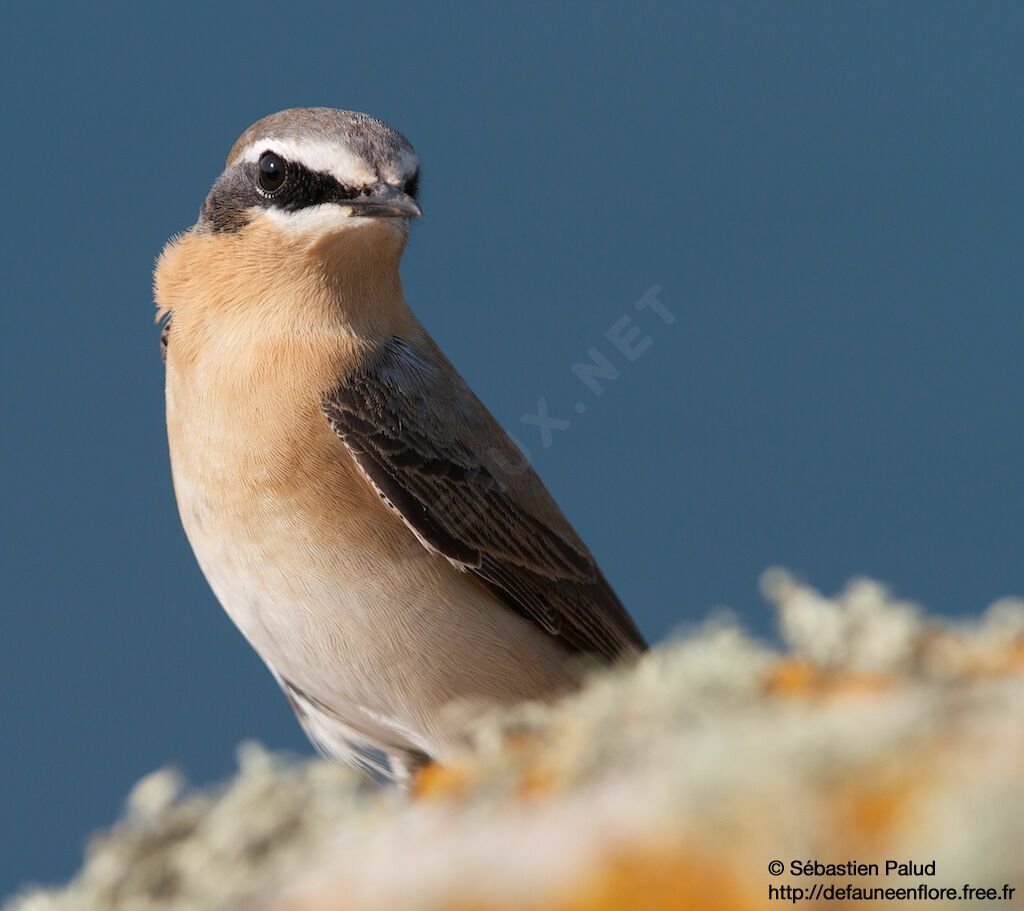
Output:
[[364, 520]]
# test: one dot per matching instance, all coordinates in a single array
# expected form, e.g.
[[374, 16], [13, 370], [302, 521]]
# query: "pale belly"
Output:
[[354, 611]]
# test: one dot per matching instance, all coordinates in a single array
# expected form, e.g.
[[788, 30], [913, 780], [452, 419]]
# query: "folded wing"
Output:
[[446, 467]]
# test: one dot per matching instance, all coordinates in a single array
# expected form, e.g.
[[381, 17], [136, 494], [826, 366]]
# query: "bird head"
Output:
[[316, 172]]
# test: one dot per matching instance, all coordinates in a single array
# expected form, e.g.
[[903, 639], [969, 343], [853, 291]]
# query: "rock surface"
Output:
[[878, 734]]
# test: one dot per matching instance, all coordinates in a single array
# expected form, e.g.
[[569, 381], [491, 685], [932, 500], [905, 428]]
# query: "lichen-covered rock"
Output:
[[881, 734]]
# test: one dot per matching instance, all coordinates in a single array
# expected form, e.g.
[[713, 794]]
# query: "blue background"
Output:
[[829, 196]]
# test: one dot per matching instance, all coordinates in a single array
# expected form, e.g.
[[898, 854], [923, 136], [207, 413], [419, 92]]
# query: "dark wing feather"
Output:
[[445, 466], [165, 335]]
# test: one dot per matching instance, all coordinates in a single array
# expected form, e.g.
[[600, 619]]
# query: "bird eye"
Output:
[[272, 171]]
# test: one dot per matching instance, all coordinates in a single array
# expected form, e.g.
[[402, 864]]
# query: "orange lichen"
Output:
[[654, 877], [867, 810], [660, 879], [792, 676], [444, 782]]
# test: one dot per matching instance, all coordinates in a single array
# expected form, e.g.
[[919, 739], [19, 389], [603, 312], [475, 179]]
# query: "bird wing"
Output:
[[441, 461]]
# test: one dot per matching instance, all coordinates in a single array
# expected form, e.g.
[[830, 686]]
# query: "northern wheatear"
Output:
[[359, 513]]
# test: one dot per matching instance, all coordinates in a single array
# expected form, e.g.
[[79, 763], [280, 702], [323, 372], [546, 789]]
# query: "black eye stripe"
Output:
[[412, 185], [304, 187], [227, 208]]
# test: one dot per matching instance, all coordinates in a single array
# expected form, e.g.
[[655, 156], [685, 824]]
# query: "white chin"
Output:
[[329, 218]]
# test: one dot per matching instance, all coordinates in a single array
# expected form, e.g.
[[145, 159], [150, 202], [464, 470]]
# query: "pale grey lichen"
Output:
[[881, 732]]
